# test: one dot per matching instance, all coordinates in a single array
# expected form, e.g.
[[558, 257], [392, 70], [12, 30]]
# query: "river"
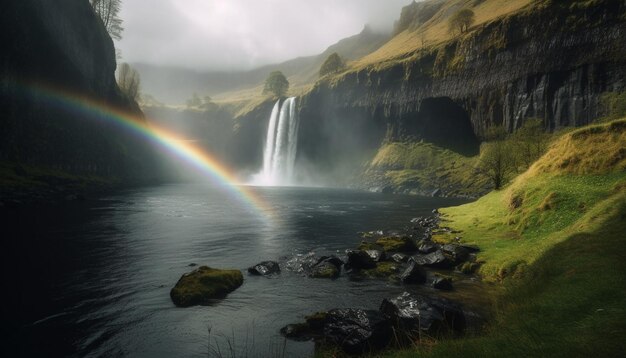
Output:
[[92, 278]]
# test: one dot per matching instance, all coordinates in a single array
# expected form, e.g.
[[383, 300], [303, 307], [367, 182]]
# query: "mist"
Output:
[[243, 34]]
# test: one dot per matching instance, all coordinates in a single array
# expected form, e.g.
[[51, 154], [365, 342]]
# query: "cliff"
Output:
[[551, 60], [53, 51]]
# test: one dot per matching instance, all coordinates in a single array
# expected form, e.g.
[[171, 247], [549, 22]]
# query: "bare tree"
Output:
[[497, 158], [108, 11], [128, 80]]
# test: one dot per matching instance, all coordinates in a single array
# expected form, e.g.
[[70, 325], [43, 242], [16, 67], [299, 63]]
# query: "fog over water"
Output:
[[243, 34]]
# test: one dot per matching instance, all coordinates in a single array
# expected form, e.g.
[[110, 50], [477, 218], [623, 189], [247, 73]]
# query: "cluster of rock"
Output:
[[400, 320], [397, 256]]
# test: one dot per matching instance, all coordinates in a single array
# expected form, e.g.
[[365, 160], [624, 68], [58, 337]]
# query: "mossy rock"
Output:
[[203, 284], [366, 245], [316, 320], [382, 270], [325, 270], [397, 244]]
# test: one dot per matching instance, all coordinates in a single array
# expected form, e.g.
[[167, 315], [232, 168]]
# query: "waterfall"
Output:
[[279, 154]]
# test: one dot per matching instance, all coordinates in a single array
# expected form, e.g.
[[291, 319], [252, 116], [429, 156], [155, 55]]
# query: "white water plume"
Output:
[[279, 154]]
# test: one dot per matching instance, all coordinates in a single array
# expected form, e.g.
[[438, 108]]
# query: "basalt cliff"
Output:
[[551, 60]]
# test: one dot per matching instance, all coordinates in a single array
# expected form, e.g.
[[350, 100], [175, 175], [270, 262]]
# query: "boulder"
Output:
[[400, 257], [297, 332], [456, 253], [442, 283], [376, 255], [359, 259], [264, 268], [397, 244], [357, 331], [330, 259], [324, 270], [413, 274], [426, 247], [411, 313], [204, 284], [366, 245], [382, 270], [435, 259], [311, 329]]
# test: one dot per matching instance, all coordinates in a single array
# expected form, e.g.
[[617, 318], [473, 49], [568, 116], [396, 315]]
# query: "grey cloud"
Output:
[[238, 34]]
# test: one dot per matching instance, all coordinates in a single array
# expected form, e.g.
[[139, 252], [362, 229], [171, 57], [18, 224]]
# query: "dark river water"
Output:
[[93, 278]]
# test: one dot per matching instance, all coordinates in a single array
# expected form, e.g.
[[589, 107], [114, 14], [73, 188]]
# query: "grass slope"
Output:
[[555, 238], [426, 167], [435, 31]]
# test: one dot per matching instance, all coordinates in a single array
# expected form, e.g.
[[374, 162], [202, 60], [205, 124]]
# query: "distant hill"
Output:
[[175, 85]]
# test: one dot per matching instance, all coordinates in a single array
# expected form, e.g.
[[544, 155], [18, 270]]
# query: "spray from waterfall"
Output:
[[279, 154]]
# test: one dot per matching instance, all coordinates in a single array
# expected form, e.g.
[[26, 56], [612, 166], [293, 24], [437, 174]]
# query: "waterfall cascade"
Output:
[[279, 154]]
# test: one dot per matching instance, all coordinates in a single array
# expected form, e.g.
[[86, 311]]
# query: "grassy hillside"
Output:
[[554, 238], [426, 167], [435, 30]]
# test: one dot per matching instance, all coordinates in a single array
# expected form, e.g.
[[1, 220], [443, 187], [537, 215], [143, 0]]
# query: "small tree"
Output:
[[333, 64], [108, 11], [277, 84], [461, 21], [497, 158], [530, 141], [128, 81]]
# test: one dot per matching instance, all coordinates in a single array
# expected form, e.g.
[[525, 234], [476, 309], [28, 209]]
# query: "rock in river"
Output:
[[359, 259], [330, 259], [325, 269], [203, 284], [409, 313], [413, 274], [435, 259], [357, 331], [264, 268], [397, 244]]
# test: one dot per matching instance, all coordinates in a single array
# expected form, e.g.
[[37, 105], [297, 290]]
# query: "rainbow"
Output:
[[180, 147]]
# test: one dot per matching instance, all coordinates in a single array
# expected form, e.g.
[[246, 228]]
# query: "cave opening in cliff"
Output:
[[445, 123]]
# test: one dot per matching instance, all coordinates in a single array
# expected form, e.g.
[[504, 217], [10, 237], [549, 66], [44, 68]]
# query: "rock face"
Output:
[[54, 56], [501, 74], [204, 284]]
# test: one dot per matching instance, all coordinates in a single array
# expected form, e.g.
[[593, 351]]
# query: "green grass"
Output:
[[554, 241], [427, 167]]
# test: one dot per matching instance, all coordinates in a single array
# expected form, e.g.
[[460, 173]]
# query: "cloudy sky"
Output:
[[242, 34]]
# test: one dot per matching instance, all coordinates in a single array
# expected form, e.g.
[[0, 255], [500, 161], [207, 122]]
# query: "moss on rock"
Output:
[[325, 270], [397, 244], [366, 245], [382, 270], [203, 284]]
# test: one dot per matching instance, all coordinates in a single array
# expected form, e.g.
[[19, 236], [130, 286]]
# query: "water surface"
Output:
[[93, 278]]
